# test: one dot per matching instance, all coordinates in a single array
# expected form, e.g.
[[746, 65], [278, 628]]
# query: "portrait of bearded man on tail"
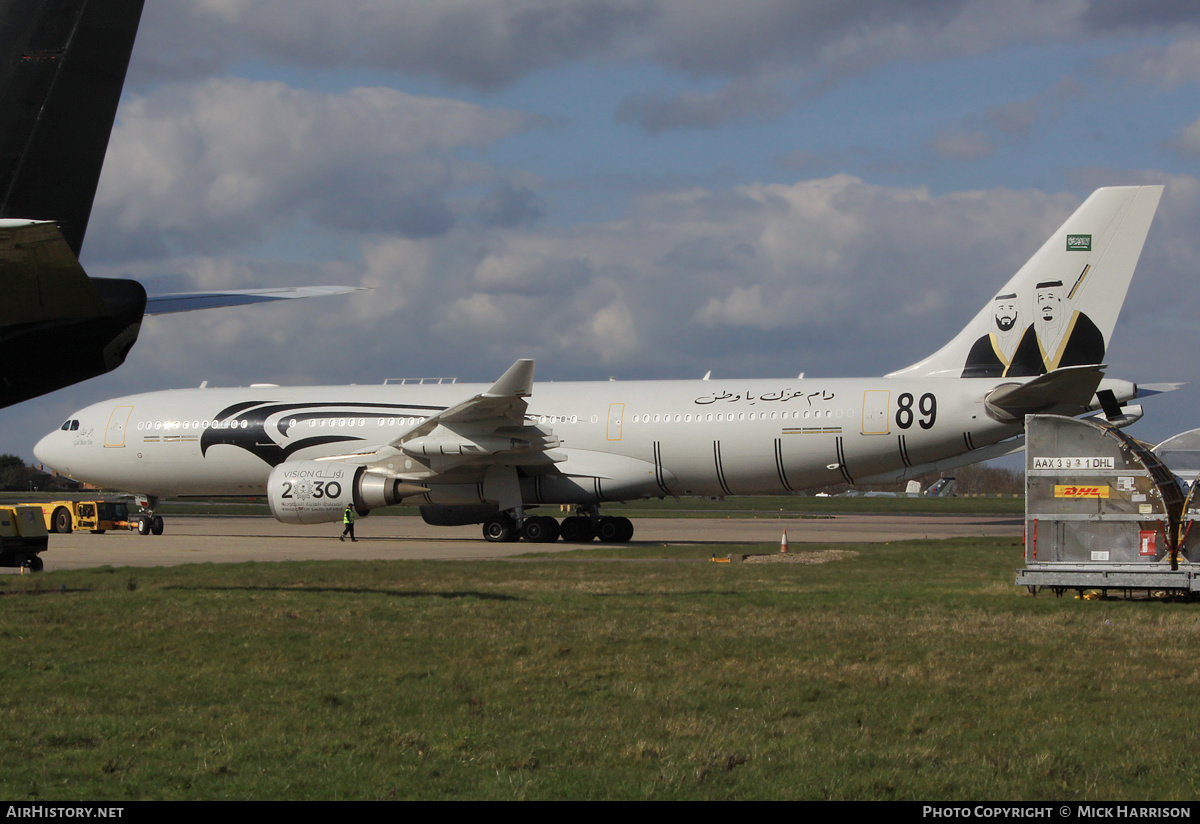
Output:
[[1058, 336], [991, 354]]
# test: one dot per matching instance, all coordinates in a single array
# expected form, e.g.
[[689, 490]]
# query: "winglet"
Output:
[[517, 382]]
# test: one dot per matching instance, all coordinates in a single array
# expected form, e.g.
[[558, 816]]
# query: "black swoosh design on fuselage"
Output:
[[254, 438]]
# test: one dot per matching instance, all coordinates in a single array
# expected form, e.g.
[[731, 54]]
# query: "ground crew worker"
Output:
[[348, 520]]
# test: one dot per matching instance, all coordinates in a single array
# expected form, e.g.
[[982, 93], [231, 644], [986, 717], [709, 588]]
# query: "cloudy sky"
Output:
[[632, 188]]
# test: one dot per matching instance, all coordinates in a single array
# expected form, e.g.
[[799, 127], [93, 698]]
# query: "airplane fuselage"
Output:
[[709, 437]]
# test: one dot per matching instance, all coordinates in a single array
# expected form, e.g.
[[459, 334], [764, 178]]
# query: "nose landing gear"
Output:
[[148, 523]]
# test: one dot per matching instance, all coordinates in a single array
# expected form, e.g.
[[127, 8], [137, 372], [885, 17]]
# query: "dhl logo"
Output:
[[1076, 491]]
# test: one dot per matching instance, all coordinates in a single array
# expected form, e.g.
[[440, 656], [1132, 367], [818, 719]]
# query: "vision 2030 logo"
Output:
[[1079, 243]]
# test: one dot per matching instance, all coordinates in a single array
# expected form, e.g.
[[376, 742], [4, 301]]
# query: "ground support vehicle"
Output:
[[22, 536], [95, 516]]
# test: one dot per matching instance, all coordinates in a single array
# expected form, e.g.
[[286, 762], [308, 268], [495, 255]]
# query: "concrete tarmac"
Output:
[[224, 539]]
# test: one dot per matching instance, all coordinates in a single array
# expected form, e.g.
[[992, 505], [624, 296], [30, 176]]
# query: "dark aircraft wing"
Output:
[[62, 66]]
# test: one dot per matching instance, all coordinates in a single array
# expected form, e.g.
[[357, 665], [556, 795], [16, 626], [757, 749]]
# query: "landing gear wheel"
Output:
[[614, 530], [500, 528], [143, 526], [156, 525], [60, 521], [540, 530], [577, 529], [608, 530], [36, 564], [626, 530]]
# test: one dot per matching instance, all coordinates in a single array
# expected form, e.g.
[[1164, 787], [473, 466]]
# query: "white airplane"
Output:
[[489, 454]]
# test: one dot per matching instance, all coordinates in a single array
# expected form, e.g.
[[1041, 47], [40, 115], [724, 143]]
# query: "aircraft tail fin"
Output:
[[1061, 307], [62, 65]]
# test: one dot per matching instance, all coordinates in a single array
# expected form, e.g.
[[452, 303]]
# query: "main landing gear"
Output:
[[542, 529]]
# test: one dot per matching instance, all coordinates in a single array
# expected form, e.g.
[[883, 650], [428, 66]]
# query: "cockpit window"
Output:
[[70, 426]]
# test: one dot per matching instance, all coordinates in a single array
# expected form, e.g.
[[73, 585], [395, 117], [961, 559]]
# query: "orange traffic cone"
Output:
[[783, 545]]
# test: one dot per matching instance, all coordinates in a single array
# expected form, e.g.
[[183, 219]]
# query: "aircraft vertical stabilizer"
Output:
[[1060, 308], [62, 66]]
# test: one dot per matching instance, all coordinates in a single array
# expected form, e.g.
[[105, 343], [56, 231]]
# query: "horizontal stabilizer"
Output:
[[191, 301], [1066, 391]]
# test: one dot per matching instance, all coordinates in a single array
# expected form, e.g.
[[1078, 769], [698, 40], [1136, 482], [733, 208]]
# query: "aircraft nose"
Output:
[[49, 451]]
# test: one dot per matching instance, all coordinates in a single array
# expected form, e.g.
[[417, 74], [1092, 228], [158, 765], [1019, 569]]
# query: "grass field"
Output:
[[910, 670]]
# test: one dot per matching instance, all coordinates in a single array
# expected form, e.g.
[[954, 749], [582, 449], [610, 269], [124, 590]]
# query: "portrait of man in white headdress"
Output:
[[1058, 336]]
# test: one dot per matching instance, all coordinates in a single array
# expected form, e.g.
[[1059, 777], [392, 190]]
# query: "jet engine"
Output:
[[315, 492]]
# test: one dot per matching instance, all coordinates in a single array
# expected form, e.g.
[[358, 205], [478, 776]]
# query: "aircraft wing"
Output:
[[191, 301], [488, 429], [485, 430], [57, 325], [504, 402], [41, 278], [1145, 390]]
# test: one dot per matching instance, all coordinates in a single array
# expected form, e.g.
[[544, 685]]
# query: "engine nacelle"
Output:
[[1122, 390], [316, 492]]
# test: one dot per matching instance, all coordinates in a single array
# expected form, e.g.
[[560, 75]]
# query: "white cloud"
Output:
[[227, 162], [478, 43], [1189, 141], [1175, 65]]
